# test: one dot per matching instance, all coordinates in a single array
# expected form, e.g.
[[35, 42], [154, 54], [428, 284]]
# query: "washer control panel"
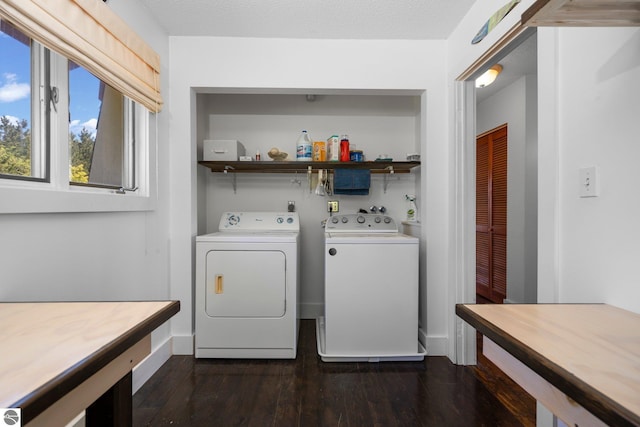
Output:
[[361, 223], [259, 221]]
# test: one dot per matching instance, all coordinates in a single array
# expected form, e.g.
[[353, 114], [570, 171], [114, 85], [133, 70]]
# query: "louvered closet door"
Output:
[[491, 215]]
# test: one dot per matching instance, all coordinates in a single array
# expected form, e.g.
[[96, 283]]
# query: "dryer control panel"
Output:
[[260, 221]]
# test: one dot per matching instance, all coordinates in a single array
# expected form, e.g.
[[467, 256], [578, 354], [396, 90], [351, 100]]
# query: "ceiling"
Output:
[[311, 19], [333, 19]]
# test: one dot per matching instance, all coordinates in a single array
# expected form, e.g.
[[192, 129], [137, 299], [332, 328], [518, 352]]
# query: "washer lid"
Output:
[[370, 239]]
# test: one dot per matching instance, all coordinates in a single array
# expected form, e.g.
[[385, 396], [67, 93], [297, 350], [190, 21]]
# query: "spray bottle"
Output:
[[412, 210]]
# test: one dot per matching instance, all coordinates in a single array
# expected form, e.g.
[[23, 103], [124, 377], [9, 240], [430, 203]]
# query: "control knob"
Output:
[[233, 220], [360, 219]]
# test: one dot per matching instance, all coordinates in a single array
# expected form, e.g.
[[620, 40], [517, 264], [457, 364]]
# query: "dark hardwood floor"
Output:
[[308, 392], [510, 394]]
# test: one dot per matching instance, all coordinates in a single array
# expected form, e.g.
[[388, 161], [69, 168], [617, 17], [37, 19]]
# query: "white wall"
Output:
[[74, 257], [95, 256], [598, 98], [305, 66], [461, 53], [588, 114], [512, 106]]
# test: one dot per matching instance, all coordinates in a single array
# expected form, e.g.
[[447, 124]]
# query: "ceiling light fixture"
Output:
[[489, 76]]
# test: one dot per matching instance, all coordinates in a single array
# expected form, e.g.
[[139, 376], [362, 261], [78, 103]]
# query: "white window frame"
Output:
[[39, 145], [57, 194]]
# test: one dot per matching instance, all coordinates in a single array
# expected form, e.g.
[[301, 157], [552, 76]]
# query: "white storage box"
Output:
[[222, 149]]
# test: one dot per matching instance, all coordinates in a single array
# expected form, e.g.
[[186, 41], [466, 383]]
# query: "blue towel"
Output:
[[351, 181]]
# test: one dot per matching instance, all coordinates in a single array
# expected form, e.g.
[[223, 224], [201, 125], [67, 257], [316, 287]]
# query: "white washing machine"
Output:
[[247, 287], [371, 291]]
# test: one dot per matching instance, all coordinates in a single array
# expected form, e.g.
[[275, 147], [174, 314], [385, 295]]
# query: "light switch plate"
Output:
[[588, 182]]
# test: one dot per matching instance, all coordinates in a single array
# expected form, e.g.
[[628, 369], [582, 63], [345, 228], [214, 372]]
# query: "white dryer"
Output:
[[371, 291], [247, 287]]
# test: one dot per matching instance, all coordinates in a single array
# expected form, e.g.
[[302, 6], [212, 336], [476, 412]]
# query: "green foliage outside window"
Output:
[[15, 147], [15, 150], [81, 152]]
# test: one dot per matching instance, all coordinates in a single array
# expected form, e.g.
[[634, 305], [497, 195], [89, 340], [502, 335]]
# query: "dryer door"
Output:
[[245, 283]]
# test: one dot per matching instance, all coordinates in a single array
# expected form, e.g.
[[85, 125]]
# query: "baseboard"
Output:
[[508, 301], [311, 310], [183, 345], [150, 364], [436, 346]]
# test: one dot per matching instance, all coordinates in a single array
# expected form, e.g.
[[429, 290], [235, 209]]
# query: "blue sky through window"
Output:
[[15, 88], [15, 79], [84, 103]]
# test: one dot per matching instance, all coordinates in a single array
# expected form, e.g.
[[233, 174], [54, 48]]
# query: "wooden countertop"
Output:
[[50, 348], [590, 352]]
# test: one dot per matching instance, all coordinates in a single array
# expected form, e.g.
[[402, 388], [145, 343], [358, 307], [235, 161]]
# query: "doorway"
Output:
[[513, 103], [482, 110]]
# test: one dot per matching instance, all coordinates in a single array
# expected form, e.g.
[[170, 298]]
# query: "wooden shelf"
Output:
[[296, 166], [583, 13]]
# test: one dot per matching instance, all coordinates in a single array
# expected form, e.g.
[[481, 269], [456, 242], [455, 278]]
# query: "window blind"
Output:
[[89, 33]]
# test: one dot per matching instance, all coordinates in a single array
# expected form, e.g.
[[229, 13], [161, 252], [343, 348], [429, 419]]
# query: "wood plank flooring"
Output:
[[308, 392]]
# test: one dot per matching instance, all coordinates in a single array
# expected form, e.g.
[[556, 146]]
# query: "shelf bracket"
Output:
[[233, 177], [385, 178]]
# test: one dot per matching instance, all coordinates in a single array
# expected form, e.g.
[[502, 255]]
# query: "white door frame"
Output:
[[465, 187]]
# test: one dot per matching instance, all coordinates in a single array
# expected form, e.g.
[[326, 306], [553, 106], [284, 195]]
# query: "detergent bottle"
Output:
[[303, 147]]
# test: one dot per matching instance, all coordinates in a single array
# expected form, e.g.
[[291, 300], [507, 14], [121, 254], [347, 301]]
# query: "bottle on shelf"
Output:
[[304, 147], [344, 148]]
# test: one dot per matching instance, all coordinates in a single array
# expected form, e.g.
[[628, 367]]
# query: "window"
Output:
[[23, 146], [101, 119], [64, 130], [101, 150]]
